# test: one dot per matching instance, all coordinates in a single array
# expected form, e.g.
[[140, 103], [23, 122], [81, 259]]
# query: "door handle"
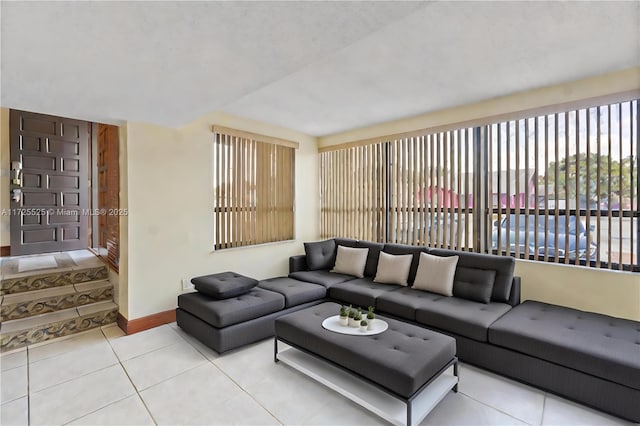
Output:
[[16, 195], [16, 166]]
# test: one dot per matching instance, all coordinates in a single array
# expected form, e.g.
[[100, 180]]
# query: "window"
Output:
[[411, 190], [564, 186], [560, 187], [253, 179]]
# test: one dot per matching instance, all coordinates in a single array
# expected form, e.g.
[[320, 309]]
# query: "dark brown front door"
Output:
[[49, 211]]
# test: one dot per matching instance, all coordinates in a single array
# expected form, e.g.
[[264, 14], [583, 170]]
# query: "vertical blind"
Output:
[[353, 192], [254, 189], [414, 190], [565, 186], [560, 187]]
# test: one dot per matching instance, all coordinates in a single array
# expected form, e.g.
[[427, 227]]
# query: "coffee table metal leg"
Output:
[[455, 373], [275, 349], [408, 412]]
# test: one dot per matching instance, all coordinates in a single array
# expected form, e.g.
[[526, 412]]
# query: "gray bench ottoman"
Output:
[[591, 358], [402, 361], [229, 310]]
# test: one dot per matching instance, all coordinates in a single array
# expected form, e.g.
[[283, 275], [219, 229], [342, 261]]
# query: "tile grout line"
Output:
[[74, 378], [145, 353], [28, 389], [130, 381], [18, 397], [84, 375], [235, 383], [121, 399], [492, 374], [246, 392], [96, 410], [497, 409]]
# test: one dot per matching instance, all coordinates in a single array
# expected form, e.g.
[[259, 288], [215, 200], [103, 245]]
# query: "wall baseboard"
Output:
[[145, 323], [5, 251]]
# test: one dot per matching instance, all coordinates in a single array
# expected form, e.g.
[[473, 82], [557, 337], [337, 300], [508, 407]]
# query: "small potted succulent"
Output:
[[344, 316], [363, 326], [370, 317], [352, 317], [357, 319]]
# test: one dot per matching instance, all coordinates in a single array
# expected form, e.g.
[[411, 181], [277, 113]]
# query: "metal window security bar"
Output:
[[565, 188], [253, 180], [560, 187]]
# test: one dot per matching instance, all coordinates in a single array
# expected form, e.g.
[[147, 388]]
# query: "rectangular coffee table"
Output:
[[400, 374]]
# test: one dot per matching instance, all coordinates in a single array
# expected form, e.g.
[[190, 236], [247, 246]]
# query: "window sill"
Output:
[[254, 246]]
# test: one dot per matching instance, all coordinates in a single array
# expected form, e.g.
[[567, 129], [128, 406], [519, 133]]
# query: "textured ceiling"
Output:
[[317, 67]]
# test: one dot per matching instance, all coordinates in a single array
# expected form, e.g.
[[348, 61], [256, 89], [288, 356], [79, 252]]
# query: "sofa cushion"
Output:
[[595, 344], [324, 278], [393, 269], [221, 313], [474, 284], [435, 274], [360, 292], [460, 316], [503, 265], [404, 249], [321, 254], [350, 261], [295, 292], [223, 285], [403, 301], [372, 258]]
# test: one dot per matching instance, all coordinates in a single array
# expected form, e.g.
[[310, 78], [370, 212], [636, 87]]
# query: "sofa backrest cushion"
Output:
[[320, 255], [372, 258], [403, 249], [503, 265], [474, 284], [351, 261], [347, 242]]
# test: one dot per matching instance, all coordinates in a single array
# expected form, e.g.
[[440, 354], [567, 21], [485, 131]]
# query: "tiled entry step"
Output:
[[43, 297], [30, 303]]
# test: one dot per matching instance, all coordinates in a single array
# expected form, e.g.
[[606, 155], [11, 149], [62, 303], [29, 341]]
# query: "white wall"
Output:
[[607, 292], [170, 222]]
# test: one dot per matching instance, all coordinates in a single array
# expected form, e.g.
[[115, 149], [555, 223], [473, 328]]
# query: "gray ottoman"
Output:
[[402, 360], [601, 354], [222, 313], [229, 311]]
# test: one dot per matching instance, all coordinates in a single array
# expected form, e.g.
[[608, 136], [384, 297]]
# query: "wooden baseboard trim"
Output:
[[5, 251], [145, 323]]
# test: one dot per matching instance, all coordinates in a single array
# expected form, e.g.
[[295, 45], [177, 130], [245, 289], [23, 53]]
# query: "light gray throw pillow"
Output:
[[435, 274], [351, 261]]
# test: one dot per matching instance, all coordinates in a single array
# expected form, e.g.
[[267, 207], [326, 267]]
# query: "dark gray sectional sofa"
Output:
[[591, 358]]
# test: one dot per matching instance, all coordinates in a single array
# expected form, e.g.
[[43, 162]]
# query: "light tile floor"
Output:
[[164, 376]]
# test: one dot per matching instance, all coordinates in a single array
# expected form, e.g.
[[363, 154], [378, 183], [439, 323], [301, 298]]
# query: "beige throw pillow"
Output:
[[393, 269], [435, 274], [351, 261]]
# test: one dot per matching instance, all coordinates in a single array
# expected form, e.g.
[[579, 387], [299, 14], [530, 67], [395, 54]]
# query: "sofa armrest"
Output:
[[514, 297], [298, 263]]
